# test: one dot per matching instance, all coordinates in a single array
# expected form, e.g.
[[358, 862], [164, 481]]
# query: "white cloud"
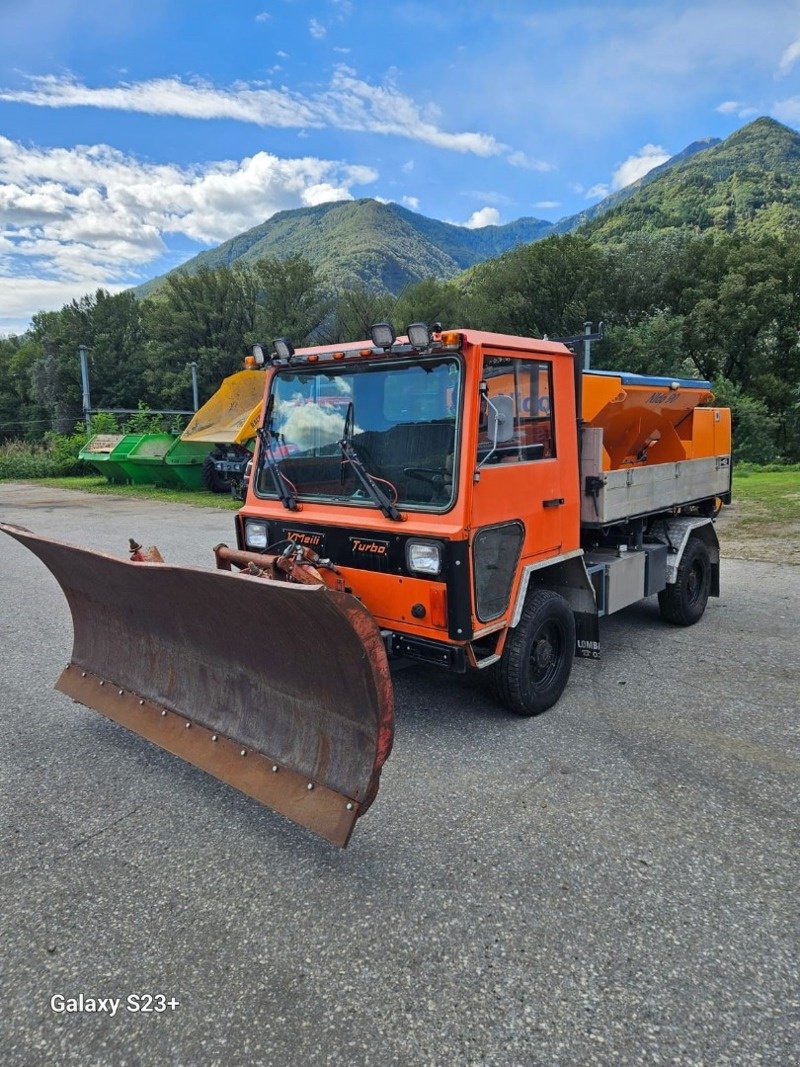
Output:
[[72, 219], [408, 166], [22, 296], [489, 196], [342, 51], [787, 110], [520, 159], [636, 166], [316, 29], [547, 204], [263, 16], [349, 103], [598, 190], [485, 216], [735, 107], [789, 57], [412, 202]]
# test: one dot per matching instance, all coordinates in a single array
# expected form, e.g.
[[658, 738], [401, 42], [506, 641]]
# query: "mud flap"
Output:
[[280, 690]]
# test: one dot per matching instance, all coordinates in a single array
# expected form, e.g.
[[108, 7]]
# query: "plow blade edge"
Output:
[[280, 690]]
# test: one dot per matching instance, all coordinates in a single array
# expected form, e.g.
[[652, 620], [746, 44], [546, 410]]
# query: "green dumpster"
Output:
[[100, 451], [144, 461], [185, 460]]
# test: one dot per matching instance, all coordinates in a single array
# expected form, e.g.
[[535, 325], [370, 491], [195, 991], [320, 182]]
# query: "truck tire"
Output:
[[212, 479], [536, 662], [684, 602]]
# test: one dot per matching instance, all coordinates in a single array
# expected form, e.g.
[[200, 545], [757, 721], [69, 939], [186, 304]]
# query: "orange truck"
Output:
[[465, 499]]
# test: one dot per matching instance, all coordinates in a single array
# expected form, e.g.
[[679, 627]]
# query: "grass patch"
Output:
[[200, 498], [766, 496]]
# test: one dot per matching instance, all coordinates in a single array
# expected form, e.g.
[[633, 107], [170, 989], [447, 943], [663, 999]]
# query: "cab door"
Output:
[[517, 471]]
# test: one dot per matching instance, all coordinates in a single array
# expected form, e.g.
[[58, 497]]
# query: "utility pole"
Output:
[[87, 403], [587, 344], [195, 402]]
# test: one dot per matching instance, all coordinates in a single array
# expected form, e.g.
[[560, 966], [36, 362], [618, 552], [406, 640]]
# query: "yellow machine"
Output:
[[228, 422]]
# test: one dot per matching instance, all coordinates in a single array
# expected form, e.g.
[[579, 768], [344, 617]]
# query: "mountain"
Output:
[[367, 242], [749, 182], [572, 222]]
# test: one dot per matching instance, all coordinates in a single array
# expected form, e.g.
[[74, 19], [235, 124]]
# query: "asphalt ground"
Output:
[[614, 882]]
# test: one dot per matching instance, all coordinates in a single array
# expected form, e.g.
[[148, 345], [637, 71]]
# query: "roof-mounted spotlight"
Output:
[[419, 334], [258, 355], [383, 335], [284, 349]]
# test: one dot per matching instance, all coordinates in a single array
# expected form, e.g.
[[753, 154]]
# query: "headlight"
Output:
[[255, 534], [424, 557]]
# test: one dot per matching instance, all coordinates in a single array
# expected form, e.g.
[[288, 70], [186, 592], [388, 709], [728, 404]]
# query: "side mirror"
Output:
[[501, 419]]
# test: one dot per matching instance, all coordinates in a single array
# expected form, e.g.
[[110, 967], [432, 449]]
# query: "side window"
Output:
[[520, 389]]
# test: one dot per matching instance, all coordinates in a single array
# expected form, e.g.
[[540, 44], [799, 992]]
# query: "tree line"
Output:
[[720, 306]]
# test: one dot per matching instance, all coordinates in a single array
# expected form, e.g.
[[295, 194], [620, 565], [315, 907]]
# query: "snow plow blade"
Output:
[[280, 690]]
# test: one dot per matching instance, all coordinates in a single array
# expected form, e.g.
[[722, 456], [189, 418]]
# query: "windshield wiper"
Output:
[[267, 455], [370, 485]]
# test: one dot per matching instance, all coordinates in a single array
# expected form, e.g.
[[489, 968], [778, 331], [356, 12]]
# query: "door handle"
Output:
[[556, 502]]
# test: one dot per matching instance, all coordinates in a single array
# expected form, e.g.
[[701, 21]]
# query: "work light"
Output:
[[258, 355], [382, 334], [419, 334], [284, 349]]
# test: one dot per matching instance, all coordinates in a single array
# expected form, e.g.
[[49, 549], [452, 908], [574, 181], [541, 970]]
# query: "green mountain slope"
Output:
[[572, 222], [382, 246], [750, 182]]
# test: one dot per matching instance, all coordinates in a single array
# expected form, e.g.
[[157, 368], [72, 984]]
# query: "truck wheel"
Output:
[[684, 602], [536, 662], [212, 479]]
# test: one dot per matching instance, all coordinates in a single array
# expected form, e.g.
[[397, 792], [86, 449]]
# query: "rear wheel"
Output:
[[537, 658], [213, 479], [684, 602]]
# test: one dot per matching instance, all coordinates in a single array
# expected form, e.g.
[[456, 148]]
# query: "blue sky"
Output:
[[134, 134]]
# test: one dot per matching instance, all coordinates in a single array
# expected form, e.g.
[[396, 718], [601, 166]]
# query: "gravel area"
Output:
[[614, 882]]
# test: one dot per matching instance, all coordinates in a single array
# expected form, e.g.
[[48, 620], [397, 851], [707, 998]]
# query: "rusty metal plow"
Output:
[[281, 690]]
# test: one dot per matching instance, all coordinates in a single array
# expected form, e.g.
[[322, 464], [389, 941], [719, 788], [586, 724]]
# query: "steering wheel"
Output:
[[426, 474]]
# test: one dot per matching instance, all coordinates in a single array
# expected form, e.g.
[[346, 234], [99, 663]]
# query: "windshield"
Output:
[[400, 419]]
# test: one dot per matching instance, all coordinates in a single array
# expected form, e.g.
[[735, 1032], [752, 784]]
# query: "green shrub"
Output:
[[22, 459], [754, 428], [145, 421], [54, 457], [102, 422]]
